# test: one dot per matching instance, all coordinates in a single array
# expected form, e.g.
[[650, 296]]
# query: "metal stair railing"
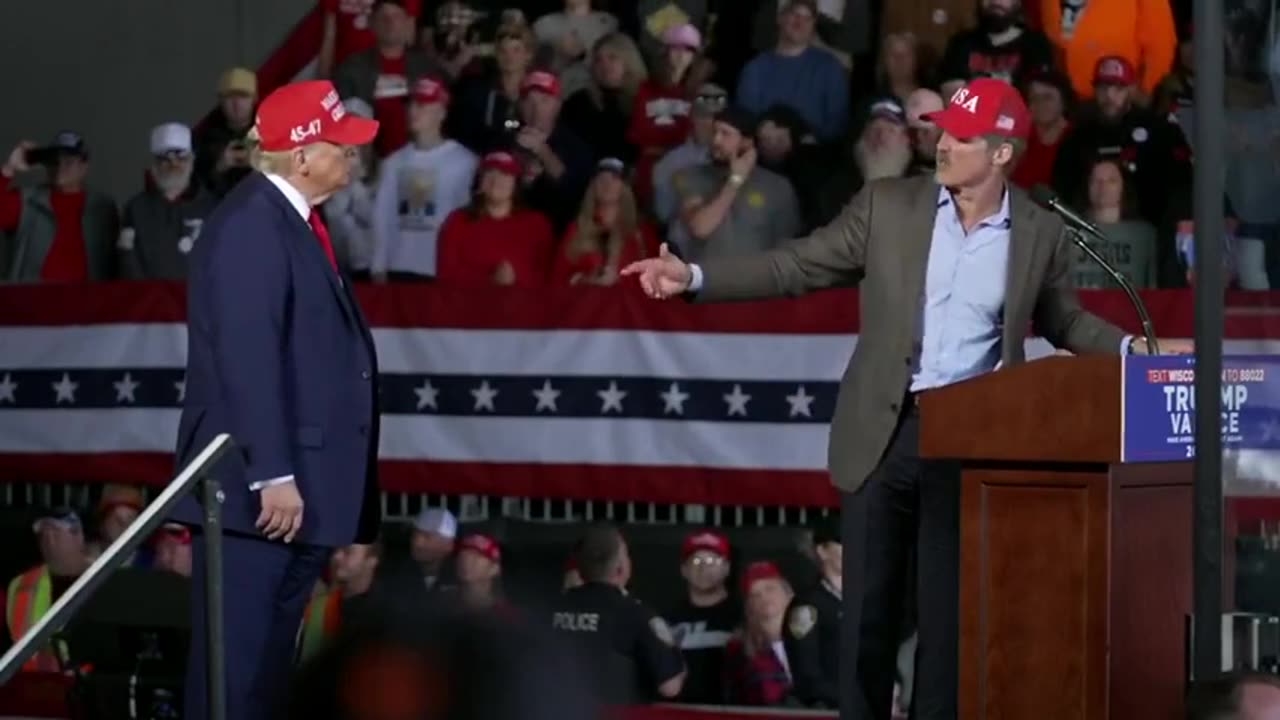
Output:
[[195, 473]]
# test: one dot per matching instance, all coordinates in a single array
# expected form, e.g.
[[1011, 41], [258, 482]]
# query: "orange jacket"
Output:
[[1140, 31]]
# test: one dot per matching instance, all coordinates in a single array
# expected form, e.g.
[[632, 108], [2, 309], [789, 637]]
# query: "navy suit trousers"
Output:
[[266, 587]]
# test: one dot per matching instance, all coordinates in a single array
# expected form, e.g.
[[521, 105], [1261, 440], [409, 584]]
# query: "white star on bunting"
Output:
[[1270, 429], [65, 389], [181, 387], [7, 389], [737, 401], [484, 396], [673, 400], [546, 396], [125, 387], [800, 403], [427, 394], [611, 398]]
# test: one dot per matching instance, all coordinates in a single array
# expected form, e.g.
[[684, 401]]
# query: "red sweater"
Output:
[[1036, 165], [67, 261], [660, 120], [471, 248], [566, 268]]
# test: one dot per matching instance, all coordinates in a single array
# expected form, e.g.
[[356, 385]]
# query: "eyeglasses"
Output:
[[706, 560]]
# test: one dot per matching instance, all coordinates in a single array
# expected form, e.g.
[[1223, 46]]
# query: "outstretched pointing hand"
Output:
[[661, 277]]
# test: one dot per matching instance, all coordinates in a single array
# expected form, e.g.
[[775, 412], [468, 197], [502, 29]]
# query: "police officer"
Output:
[[626, 644], [812, 630]]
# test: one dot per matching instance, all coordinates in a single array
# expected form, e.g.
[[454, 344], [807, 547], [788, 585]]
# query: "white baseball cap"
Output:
[[171, 138], [438, 521]]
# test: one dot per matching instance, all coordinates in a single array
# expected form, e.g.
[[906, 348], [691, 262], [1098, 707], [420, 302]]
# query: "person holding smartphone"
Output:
[[62, 231]]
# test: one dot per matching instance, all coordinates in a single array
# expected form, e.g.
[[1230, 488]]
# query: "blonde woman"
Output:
[[608, 233], [600, 112]]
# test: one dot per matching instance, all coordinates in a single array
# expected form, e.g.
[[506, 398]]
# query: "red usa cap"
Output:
[[428, 91], [502, 162], [1114, 70], [541, 81], [482, 544], [707, 540], [986, 106], [757, 571], [308, 112]]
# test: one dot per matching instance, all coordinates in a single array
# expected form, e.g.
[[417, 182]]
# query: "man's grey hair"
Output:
[[994, 141], [273, 162]]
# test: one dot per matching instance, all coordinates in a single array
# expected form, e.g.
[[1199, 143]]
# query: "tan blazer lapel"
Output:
[[1022, 247], [917, 237]]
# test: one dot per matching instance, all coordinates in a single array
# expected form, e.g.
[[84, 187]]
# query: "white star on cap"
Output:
[[181, 387]]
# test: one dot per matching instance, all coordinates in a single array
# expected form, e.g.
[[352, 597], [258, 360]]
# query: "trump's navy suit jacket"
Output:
[[279, 356]]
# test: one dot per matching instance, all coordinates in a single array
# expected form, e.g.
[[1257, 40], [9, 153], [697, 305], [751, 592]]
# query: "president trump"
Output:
[[280, 357]]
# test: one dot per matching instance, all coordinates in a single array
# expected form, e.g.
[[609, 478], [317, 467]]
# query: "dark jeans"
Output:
[[907, 509]]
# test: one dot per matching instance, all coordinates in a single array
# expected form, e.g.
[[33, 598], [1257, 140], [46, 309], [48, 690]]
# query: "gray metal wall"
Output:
[[112, 69]]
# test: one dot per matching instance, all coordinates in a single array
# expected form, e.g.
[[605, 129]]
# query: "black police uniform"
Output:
[[625, 644], [812, 639]]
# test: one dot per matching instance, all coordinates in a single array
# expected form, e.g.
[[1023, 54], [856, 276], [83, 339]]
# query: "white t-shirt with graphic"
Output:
[[417, 189]]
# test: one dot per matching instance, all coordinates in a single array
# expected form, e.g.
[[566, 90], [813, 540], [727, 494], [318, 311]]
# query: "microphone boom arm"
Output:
[[1148, 330]]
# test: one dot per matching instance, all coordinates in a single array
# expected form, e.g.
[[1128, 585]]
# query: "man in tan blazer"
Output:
[[953, 270]]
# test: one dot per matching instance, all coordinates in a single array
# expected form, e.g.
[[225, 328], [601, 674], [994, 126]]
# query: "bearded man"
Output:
[[162, 223], [1001, 46]]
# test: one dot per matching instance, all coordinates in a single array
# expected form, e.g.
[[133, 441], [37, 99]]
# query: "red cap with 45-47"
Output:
[[309, 112]]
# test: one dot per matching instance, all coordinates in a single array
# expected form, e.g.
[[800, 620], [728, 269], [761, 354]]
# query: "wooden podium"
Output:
[[1075, 569]]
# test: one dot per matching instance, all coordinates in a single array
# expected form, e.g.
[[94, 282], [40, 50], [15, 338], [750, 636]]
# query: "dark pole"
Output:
[[1209, 320], [216, 658]]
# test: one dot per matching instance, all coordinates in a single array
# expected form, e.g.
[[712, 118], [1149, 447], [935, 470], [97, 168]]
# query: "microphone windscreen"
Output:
[[1042, 195]]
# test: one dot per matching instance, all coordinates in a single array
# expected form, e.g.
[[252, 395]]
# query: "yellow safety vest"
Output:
[[320, 622], [30, 597]]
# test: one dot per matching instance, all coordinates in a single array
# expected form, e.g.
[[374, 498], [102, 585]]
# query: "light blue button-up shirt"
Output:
[[963, 308]]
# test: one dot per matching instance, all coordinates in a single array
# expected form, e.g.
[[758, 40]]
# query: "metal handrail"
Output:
[[196, 472]]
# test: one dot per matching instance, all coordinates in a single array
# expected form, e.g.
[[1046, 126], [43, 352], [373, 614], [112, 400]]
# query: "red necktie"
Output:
[[322, 232]]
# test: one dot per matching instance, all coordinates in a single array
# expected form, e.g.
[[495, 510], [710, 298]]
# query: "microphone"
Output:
[[1077, 225]]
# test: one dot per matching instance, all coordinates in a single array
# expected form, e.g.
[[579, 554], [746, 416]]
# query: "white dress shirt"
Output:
[[299, 203]]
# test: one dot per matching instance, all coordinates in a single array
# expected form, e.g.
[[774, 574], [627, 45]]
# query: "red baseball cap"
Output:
[[307, 112], [540, 81], [986, 106], [1114, 70], [707, 540], [502, 162], [427, 91], [482, 544], [757, 571]]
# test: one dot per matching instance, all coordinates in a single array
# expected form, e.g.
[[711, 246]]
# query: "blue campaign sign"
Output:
[[1158, 411]]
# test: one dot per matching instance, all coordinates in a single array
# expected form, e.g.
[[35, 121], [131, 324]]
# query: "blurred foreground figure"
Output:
[[442, 663]]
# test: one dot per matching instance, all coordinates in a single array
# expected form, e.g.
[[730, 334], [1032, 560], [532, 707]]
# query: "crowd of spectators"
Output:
[[763, 634], [550, 146]]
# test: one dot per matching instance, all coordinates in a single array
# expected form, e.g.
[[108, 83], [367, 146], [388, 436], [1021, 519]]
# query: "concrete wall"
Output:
[[112, 69]]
